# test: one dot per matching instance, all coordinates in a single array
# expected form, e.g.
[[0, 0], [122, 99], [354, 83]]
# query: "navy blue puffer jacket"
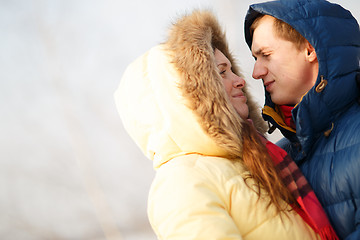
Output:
[[326, 144]]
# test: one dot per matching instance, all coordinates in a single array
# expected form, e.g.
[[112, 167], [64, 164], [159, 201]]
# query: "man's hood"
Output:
[[172, 100], [335, 35]]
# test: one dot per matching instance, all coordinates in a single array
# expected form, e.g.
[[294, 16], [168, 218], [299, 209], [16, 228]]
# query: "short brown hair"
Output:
[[282, 30]]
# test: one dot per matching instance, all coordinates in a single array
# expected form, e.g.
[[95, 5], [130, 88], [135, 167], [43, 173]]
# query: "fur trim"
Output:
[[190, 42]]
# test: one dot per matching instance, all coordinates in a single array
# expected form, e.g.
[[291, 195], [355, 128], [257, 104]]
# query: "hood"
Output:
[[338, 51], [172, 101]]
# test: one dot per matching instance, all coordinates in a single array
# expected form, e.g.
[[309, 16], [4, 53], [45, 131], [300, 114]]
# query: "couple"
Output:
[[186, 105]]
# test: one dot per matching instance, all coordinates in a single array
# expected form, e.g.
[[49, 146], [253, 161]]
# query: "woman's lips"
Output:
[[239, 95]]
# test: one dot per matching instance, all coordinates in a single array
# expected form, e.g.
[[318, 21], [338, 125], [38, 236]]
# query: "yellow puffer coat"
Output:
[[173, 104]]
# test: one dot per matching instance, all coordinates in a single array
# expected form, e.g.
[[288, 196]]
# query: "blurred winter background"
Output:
[[68, 170]]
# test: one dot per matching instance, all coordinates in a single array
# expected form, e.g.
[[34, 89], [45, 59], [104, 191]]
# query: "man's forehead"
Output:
[[263, 35], [260, 44]]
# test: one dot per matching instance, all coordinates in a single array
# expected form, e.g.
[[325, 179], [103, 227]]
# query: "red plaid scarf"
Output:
[[310, 208]]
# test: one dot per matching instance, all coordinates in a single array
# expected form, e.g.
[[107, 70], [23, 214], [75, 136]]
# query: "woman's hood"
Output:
[[172, 101]]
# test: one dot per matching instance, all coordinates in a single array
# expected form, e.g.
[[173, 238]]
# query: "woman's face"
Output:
[[233, 84]]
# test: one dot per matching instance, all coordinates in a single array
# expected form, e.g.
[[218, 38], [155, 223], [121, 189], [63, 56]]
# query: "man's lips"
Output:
[[268, 85]]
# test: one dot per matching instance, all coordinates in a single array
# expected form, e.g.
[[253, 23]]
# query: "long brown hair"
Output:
[[262, 170]]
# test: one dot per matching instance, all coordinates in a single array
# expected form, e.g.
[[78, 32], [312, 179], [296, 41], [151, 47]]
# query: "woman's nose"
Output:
[[259, 70], [239, 82]]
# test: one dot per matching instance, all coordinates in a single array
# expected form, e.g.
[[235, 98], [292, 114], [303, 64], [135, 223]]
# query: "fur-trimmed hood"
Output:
[[172, 100]]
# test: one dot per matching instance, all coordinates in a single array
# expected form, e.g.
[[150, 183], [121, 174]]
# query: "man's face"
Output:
[[285, 70]]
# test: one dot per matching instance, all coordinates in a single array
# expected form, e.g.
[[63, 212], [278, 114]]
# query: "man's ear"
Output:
[[310, 53]]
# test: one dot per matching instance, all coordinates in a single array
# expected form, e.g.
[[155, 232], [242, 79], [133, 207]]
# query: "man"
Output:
[[307, 54]]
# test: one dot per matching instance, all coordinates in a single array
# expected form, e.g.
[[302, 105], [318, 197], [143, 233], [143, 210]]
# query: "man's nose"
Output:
[[259, 70]]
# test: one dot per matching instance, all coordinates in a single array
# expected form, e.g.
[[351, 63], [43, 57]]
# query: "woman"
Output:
[[187, 108]]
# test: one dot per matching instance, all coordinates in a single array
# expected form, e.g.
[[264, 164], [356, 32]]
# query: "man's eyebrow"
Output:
[[258, 52]]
